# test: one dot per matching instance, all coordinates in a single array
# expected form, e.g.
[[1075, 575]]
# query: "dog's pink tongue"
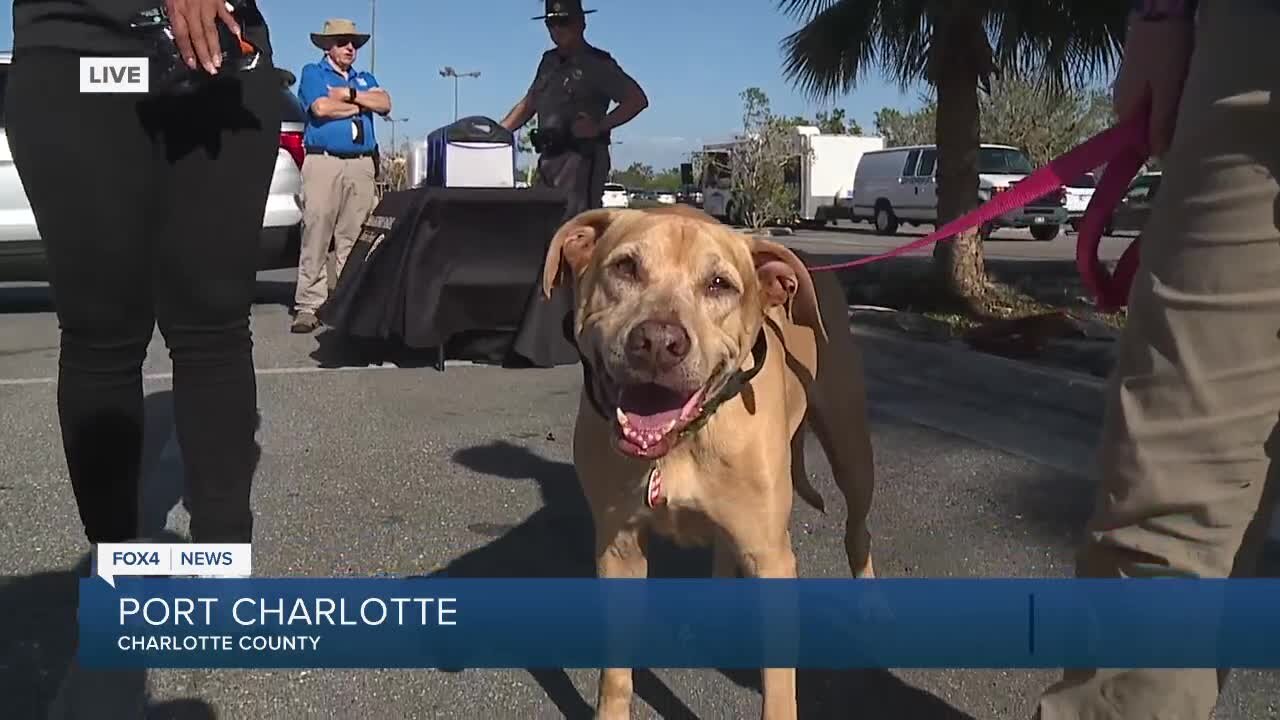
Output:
[[651, 408], [654, 422]]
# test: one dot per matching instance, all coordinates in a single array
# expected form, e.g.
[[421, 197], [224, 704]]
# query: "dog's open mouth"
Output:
[[650, 416]]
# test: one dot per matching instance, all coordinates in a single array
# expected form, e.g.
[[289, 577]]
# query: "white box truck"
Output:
[[827, 172], [822, 173]]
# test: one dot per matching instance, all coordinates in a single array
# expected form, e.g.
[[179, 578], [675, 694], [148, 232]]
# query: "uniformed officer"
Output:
[[570, 94]]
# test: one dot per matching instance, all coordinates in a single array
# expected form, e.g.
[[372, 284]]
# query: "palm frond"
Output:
[[1062, 43], [846, 39], [804, 10], [905, 40]]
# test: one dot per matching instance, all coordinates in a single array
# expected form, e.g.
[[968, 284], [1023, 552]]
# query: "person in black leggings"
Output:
[[150, 208]]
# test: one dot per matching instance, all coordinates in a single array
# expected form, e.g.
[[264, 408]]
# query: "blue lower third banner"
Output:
[[730, 623]]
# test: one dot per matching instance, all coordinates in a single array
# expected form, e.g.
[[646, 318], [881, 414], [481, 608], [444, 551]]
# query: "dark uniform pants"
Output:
[[581, 173]]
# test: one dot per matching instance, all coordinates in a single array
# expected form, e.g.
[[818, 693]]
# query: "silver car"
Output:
[[22, 253]]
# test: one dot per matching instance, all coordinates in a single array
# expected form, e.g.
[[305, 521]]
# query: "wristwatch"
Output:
[[1157, 10], [351, 94]]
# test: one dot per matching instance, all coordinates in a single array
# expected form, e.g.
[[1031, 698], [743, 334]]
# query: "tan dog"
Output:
[[704, 350]]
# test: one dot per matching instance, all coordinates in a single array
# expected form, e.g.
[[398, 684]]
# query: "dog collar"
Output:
[[736, 384]]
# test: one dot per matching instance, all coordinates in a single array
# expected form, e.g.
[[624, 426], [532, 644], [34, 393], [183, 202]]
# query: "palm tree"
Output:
[[956, 46]]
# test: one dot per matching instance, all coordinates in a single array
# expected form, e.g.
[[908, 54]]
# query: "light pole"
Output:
[[449, 72], [394, 148], [373, 35]]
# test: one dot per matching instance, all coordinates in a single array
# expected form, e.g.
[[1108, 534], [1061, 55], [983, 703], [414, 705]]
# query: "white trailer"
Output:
[[827, 171], [822, 174]]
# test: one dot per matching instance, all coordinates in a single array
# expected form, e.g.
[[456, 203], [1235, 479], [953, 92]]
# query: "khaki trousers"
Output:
[[1188, 450], [337, 196]]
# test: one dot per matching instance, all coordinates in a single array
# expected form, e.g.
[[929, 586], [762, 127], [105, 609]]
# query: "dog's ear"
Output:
[[573, 245], [785, 281]]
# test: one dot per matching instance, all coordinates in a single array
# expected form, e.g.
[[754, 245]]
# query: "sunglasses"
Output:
[[556, 22], [343, 42]]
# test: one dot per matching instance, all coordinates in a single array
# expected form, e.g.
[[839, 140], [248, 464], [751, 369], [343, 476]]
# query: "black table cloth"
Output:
[[458, 270]]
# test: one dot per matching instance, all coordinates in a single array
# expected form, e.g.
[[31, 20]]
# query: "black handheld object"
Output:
[[552, 140], [169, 73]]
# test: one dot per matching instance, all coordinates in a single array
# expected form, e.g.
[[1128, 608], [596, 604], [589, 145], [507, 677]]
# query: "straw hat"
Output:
[[338, 27]]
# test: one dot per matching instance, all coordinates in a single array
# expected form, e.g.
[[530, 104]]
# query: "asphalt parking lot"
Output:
[[410, 471], [845, 238]]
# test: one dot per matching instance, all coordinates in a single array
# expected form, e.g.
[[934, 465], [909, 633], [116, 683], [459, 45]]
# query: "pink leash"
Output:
[[1123, 149]]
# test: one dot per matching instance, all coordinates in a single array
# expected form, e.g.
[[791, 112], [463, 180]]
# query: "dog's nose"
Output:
[[658, 344]]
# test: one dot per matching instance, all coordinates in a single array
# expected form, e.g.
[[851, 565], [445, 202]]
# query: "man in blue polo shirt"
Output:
[[338, 175]]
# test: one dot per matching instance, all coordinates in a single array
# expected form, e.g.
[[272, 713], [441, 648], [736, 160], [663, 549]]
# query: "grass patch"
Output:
[[916, 289]]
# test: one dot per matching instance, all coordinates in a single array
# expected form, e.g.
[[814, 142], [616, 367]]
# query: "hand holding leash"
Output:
[[1157, 55]]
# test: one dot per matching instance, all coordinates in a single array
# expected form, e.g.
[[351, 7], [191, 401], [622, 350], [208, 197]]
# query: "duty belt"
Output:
[[553, 141]]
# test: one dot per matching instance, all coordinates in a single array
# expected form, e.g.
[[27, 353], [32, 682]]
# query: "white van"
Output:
[[899, 185]]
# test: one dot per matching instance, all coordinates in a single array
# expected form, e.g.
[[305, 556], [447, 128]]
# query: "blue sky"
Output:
[[693, 58]]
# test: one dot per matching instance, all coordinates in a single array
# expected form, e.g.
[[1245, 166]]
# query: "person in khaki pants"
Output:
[[1188, 451], [338, 174]]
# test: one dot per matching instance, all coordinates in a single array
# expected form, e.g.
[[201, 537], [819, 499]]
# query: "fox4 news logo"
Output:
[[114, 75]]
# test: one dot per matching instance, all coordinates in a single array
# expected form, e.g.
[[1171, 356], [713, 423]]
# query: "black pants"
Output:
[[580, 173], [150, 209]]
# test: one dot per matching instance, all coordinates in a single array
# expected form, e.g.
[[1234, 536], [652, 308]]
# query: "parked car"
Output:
[[899, 185], [615, 196], [667, 198], [689, 195], [1135, 207], [22, 253], [1079, 193]]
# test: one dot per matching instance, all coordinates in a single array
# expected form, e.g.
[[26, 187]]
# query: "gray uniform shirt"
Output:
[[585, 81]]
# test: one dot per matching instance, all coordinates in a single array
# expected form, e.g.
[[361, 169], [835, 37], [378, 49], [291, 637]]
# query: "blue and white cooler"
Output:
[[471, 152]]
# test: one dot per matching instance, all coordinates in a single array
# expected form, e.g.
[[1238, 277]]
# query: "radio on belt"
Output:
[[471, 152]]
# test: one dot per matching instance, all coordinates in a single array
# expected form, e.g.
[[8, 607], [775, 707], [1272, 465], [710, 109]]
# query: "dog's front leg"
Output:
[[764, 551], [619, 554], [778, 685]]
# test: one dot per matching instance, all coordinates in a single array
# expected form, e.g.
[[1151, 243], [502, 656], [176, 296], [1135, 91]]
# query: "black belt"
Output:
[[344, 156]]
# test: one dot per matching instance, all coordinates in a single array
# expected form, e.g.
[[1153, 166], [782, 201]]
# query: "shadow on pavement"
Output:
[[908, 234], [1055, 506], [36, 659], [556, 541], [274, 292], [37, 650], [337, 350]]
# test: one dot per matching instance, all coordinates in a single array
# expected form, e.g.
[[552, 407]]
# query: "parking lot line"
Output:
[[304, 370]]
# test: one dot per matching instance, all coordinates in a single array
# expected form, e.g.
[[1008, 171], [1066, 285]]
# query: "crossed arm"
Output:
[[337, 104]]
